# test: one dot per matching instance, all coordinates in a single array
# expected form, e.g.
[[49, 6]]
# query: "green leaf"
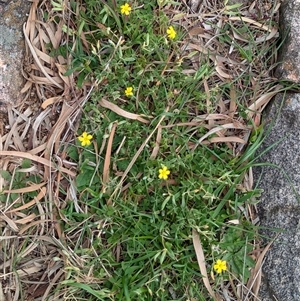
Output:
[[26, 163], [5, 175], [87, 288]]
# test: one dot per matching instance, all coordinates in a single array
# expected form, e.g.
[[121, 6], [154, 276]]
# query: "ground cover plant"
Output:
[[138, 180]]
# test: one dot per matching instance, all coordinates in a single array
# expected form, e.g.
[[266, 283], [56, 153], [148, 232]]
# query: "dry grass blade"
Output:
[[259, 104], [36, 159], [108, 105], [273, 34], [255, 278], [250, 21], [30, 188], [26, 219], [9, 221], [35, 56], [31, 203], [51, 101], [38, 130], [202, 266], [157, 143], [55, 280], [225, 140], [221, 128], [106, 167]]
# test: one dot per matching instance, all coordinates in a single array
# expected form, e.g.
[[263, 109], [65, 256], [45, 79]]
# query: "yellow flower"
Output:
[[163, 173], [171, 33], [129, 91], [125, 9], [85, 139], [220, 266]]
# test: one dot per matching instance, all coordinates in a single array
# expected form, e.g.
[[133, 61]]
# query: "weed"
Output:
[[164, 148], [142, 245]]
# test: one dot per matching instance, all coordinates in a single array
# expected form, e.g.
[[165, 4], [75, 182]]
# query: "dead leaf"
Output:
[[108, 105], [202, 265]]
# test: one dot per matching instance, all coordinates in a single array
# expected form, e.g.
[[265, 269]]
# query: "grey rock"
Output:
[[289, 55], [279, 207], [12, 47]]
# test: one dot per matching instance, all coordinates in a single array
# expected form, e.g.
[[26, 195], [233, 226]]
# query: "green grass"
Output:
[[135, 230], [128, 235]]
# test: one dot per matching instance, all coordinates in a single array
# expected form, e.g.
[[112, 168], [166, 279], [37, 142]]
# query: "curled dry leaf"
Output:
[[36, 159], [108, 105]]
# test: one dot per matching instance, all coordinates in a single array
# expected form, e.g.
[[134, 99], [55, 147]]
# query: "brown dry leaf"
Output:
[[262, 101], [26, 219], [219, 69], [36, 159], [225, 140], [59, 32], [199, 48], [105, 176], [157, 143], [55, 280], [46, 80], [202, 265], [273, 33], [25, 272], [53, 142], [48, 69], [31, 225], [62, 69], [35, 291], [108, 105], [51, 35], [51, 101], [213, 117], [33, 140], [196, 31], [233, 101], [255, 277], [41, 194], [30, 28], [223, 127], [13, 135], [27, 87], [36, 58], [9, 221], [186, 124], [250, 21], [44, 57], [37, 149], [31, 188]]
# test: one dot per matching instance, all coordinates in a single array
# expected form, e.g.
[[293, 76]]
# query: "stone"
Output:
[[12, 17], [289, 55], [279, 206]]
